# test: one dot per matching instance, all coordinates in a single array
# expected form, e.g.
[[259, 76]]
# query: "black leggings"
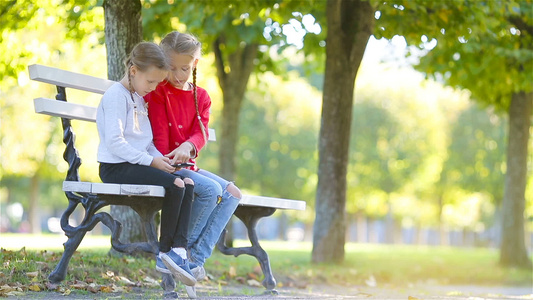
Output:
[[177, 202]]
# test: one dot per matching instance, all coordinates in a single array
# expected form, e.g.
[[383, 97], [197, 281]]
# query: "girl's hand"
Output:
[[181, 154], [162, 163]]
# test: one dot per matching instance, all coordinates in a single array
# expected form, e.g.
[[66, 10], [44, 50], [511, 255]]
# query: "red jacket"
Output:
[[172, 113]]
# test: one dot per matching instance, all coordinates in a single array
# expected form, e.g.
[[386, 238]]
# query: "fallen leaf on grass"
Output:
[[364, 295], [5, 289], [106, 289], [51, 286], [150, 281], [240, 280], [126, 281], [34, 288], [253, 282], [108, 274], [93, 288], [222, 282], [66, 292], [120, 289], [32, 274], [79, 285], [454, 293], [90, 280], [129, 259], [15, 293], [232, 272], [530, 296], [371, 281]]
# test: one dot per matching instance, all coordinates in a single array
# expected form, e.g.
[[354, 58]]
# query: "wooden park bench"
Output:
[[144, 199]]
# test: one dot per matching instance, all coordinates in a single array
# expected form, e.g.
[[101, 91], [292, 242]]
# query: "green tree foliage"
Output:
[[476, 155], [474, 164], [15, 16], [31, 146], [398, 144], [278, 139], [484, 46]]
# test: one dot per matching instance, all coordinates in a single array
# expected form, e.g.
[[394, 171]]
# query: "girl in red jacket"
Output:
[[179, 114]]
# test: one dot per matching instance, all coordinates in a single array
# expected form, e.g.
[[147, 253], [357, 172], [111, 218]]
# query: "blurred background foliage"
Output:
[[415, 143]]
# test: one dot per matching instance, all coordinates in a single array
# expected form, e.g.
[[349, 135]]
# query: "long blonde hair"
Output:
[[187, 44], [143, 56]]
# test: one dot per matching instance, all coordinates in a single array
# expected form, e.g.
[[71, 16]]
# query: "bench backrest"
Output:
[[68, 111], [77, 81]]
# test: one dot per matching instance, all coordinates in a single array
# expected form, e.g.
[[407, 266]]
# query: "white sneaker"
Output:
[[198, 273]]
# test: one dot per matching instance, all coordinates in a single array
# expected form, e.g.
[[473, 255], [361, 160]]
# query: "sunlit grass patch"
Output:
[[51, 242], [377, 265]]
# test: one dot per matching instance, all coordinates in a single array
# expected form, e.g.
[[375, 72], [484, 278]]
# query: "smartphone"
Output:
[[183, 165]]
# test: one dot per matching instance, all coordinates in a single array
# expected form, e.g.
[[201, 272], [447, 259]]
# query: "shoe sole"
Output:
[[199, 273], [163, 270], [180, 274], [191, 291]]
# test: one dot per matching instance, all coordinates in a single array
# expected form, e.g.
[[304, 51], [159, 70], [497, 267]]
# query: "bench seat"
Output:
[[159, 191]]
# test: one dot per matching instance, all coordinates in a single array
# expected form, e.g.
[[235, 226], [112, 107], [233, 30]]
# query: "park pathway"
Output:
[[313, 292]]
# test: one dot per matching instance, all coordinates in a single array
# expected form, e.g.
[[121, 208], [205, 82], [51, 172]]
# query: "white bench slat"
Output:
[[69, 79], [114, 189], [77, 186], [64, 109], [159, 191], [76, 111], [272, 202]]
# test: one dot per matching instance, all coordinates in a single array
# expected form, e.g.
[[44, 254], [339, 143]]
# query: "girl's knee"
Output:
[[234, 191], [179, 183], [188, 181]]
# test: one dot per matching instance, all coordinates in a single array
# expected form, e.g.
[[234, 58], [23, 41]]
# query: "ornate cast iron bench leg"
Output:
[[75, 234], [250, 216]]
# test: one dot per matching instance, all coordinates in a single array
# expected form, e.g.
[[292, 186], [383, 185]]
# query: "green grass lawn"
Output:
[[365, 264], [396, 265]]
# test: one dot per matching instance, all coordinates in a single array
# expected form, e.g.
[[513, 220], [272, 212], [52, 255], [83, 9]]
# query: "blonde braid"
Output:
[[202, 127]]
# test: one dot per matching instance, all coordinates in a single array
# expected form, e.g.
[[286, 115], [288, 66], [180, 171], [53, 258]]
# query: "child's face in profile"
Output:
[[181, 66], [145, 82]]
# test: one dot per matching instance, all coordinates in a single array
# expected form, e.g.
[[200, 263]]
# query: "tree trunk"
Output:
[[512, 249], [362, 228], [389, 222], [233, 76], [444, 234], [123, 30], [33, 216], [350, 24]]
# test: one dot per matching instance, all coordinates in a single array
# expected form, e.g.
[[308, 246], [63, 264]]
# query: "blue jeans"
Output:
[[212, 209]]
